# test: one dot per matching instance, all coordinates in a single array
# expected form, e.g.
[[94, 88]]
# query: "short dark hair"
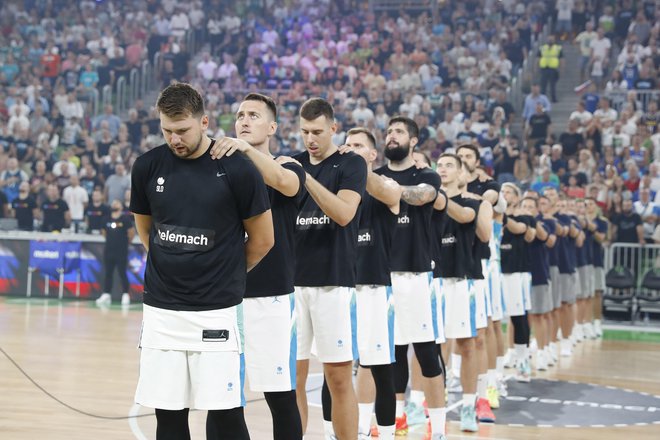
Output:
[[536, 202], [411, 126], [364, 131], [471, 147], [270, 103], [458, 160], [317, 107], [180, 100], [427, 159]]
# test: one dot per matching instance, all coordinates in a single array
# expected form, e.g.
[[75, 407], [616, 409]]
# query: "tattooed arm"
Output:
[[418, 195]]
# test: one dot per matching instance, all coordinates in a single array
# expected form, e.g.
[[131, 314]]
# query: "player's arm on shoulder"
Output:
[[530, 233], [484, 219], [492, 196], [143, 226], [461, 214], [541, 232], [261, 237], [418, 195], [385, 190], [275, 175], [516, 227], [340, 207]]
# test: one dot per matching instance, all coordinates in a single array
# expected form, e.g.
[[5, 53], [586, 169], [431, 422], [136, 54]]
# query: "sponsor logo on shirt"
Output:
[[448, 240], [160, 184], [312, 220], [364, 237], [403, 220], [179, 237]]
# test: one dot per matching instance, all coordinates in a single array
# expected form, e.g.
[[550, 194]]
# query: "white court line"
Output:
[[132, 422]]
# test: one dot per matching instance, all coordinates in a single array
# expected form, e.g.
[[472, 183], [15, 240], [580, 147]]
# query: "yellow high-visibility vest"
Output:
[[550, 56]]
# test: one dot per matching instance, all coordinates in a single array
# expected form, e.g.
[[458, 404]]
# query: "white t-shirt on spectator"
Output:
[[226, 69], [57, 168], [409, 109], [18, 122], [207, 69], [76, 198], [270, 37], [610, 114], [24, 109], [564, 9], [365, 115], [600, 48], [179, 24], [644, 211], [584, 117]]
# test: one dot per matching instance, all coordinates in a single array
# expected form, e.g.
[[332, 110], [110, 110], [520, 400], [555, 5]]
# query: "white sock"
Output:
[[438, 418], [491, 376], [468, 399], [328, 430], [521, 351], [417, 397], [456, 365], [386, 432], [499, 366], [364, 418], [400, 404], [482, 384]]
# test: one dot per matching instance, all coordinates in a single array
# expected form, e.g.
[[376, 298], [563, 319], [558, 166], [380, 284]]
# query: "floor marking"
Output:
[[133, 422]]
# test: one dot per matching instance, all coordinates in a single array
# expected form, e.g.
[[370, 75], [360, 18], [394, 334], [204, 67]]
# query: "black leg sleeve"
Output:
[[286, 418], [172, 425]]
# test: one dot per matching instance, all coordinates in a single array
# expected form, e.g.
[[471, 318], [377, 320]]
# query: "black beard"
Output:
[[398, 153]]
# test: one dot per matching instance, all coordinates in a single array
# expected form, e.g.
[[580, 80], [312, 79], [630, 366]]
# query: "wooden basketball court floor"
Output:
[[87, 358]]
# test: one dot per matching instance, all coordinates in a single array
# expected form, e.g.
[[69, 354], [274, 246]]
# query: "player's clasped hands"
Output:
[[227, 146]]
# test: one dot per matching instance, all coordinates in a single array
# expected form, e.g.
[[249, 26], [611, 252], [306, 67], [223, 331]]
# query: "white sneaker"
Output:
[[589, 331], [524, 371], [566, 347], [549, 358], [598, 328], [125, 299], [454, 385], [541, 362], [579, 332], [104, 300]]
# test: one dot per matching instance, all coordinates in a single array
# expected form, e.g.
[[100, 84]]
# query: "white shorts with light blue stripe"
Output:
[[514, 295], [415, 308], [270, 342], [375, 324], [460, 308], [440, 307], [327, 316]]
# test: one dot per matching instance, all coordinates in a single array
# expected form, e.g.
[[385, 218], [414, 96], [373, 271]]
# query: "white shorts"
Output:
[[495, 290], [415, 308], [270, 343], [514, 298], [460, 308], [527, 289], [440, 310], [327, 316], [480, 287], [375, 324], [191, 359], [485, 270]]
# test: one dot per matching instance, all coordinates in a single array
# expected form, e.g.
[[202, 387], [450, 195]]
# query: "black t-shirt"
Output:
[[96, 216], [538, 256], [539, 125], [513, 249], [5, 142], [530, 222], [455, 243], [551, 225], [374, 241], [585, 252], [116, 235], [477, 187], [412, 242], [196, 257], [326, 253], [626, 231], [580, 177], [24, 209], [274, 275], [570, 143], [3, 202], [53, 213]]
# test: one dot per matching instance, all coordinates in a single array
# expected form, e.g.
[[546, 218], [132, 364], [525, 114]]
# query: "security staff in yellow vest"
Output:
[[550, 62]]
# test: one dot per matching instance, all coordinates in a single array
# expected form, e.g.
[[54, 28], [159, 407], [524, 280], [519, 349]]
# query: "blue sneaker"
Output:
[[469, 419], [415, 414]]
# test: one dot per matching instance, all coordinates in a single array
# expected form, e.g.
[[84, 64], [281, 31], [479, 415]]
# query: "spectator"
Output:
[[571, 141], [24, 208], [532, 99], [538, 126], [117, 184], [648, 211], [522, 169], [11, 178], [627, 227], [96, 213], [76, 199], [546, 180], [54, 211], [107, 120]]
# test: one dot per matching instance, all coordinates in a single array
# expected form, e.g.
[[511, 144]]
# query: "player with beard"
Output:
[[411, 263], [456, 230], [192, 214], [487, 340], [541, 297], [600, 236], [326, 250], [268, 308], [517, 233]]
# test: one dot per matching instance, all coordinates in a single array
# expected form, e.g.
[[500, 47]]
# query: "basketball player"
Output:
[[192, 215], [600, 236], [268, 308], [414, 298], [375, 308], [586, 271], [455, 229], [514, 255], [489, 190], [326, 250], [541, 297]]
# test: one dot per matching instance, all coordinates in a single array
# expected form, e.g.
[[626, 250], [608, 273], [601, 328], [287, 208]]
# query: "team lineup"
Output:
[[257, 263]]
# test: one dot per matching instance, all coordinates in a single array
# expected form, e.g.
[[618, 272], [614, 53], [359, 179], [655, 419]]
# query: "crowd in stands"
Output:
[[449, 71]]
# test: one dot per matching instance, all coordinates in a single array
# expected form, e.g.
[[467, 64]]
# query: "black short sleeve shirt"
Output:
[[196, 257]]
